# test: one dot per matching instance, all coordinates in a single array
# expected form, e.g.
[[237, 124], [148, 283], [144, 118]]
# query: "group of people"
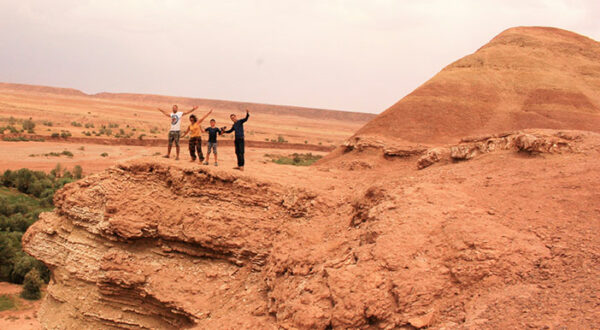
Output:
[[195, 131]]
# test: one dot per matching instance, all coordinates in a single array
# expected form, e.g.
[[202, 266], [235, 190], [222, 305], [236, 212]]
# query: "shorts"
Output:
[[212, 146], [174, 137]]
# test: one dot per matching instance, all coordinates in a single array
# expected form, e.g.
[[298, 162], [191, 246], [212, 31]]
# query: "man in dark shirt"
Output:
[[212, 140], [238, 127]]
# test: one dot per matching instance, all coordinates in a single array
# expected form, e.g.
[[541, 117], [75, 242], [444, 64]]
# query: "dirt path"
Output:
[[24, 315]]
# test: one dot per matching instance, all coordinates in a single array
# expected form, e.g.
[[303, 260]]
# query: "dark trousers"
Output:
[[239, 150], [196, 145]]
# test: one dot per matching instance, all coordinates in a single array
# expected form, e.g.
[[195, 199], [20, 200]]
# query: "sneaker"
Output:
[[205, 163], [216, 164]]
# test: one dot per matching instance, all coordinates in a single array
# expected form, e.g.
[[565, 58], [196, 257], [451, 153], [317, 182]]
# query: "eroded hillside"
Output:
[[526, 77], [156, 244]]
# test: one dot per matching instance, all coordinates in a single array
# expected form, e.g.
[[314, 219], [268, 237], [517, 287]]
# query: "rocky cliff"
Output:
[[153, 244]]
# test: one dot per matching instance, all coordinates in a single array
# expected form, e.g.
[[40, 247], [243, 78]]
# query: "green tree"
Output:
[[32, 285], [7, 254]]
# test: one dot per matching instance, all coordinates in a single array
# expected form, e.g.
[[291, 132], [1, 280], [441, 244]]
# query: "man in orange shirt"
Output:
[[195, 131]]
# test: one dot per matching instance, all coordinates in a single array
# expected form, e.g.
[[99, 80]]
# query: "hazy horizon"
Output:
[[341, 55]]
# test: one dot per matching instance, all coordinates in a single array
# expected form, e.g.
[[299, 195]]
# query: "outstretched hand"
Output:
[[247, 112], [195, 107]]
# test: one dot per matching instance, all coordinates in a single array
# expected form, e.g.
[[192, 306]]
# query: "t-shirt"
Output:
[[176, 121], [212, 134], [195, 130]]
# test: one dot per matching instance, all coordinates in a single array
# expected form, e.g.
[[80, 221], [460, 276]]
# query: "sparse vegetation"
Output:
[[21, 139], [76, 124], [55, 135], [89, 125], [47, 123], [77, 172], [104, 154], [281, 139], [65, 134], [28, 125], [6, 303], [54, 154], [141, 137], [11, 129], [295, 159]]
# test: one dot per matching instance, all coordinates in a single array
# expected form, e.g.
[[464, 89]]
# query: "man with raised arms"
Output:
[[175, 131]]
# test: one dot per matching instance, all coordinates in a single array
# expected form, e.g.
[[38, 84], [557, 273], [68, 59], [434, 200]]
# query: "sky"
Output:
[[347, 55]]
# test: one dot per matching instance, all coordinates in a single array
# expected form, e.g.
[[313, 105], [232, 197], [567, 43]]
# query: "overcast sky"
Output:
[[349, 55]]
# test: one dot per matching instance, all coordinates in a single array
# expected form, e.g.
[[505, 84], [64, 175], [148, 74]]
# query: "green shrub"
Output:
[[104, 154], [295, 159], [67, 153], [47, 123], [32, 285], [141, 137], [281, 139], [55, 135], [89, 125], [6, 303], [65, 134], [28, 125], [76, 124], [77, 172], [15, 139]]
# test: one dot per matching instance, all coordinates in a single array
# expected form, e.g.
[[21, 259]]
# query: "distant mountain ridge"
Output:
[[153, 100]]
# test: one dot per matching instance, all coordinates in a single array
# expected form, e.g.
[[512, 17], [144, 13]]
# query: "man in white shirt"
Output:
[[175, 131]]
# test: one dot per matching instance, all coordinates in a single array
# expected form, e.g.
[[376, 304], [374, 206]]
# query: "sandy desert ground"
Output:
[[127, 117], [25, 316]]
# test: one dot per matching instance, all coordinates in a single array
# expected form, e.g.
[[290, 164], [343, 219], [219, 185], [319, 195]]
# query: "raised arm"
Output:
[[206, 115], [190, 111], [164, 112], [246, 118], [186, 131], [227, 131]]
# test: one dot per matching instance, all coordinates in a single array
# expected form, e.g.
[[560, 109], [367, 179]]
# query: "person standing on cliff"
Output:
[[213, 130], [175, 131], [195, 131], [238, 127]]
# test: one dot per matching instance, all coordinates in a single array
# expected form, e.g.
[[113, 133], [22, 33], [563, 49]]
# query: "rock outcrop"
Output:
[[155, 245]]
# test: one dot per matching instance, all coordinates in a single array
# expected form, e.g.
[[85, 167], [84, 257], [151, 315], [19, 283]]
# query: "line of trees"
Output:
[[24, 194]]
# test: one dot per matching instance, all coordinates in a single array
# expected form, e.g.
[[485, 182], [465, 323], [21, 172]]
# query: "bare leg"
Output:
[[177, 147], [168, 152]]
